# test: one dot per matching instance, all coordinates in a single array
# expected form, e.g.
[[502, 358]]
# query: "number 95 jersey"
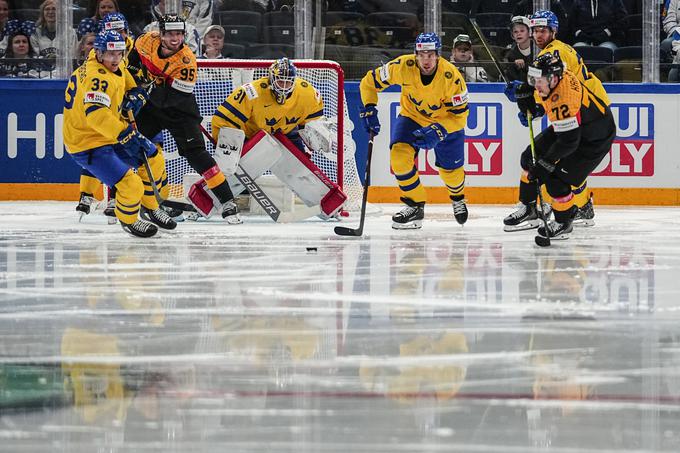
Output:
[[92, 106]]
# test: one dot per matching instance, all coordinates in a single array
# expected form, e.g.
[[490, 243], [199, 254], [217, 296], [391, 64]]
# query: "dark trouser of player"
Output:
[[570, 171], [184, 129]]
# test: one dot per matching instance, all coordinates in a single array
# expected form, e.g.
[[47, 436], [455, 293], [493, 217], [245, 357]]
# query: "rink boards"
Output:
[[643, 156]]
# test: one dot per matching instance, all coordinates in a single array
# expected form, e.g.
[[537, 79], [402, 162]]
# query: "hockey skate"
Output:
[[585, 215], [526, 217], [410, 217], [560, 230], [230, 213], [140, 228], [86, 205], [176, 214], [158, 217], [110, 211], [460, 211]]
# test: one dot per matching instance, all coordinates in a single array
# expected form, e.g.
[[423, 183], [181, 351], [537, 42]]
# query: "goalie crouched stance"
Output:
[[291, 109], [434, 109], [581, 133], [101, 142], [162, 60]]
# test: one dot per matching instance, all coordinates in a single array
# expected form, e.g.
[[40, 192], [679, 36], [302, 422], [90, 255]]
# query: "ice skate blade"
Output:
[[414, 225], [584, 222], [530, 225]]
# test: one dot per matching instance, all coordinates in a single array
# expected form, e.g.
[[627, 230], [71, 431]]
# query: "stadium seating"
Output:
[[270, 51], [233, 50], [279, 35], [241, 18], [493, 19], [241, 34], [241, 5], [279, 18], [341, 17], [456, 6], [392, 20]]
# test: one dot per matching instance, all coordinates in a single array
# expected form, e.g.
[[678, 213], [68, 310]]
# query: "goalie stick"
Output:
[[261, 196], [541, 241], [345, 231]]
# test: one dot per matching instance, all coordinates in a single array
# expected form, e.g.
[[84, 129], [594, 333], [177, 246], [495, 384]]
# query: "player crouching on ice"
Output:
[[101, 142], [291, 110], [434, 109], [581, 133]]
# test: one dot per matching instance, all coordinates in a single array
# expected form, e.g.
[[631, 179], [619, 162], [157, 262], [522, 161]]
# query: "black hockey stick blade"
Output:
[[175, 204], [542, 241], [344, 231]]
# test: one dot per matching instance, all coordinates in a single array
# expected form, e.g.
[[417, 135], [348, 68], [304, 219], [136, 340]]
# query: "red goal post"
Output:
[[217, 79]]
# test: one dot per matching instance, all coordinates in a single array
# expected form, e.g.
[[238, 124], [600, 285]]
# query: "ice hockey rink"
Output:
[[267, 337]]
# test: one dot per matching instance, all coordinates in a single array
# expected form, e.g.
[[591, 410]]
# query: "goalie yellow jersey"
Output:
[[575, 64], [92, 106], [253, 107], [444, 100]]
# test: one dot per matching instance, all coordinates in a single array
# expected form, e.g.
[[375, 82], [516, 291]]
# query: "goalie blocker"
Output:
[[284, 160]]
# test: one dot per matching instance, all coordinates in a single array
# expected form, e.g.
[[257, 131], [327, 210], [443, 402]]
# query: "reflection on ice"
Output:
[[240, 339]]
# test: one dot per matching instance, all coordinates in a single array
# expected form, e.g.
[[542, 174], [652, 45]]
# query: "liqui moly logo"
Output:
[[632, 153], [483, 142]]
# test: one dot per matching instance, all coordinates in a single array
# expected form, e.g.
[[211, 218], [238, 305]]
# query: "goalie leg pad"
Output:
[[259, 154], [304, 178], [228, 150]]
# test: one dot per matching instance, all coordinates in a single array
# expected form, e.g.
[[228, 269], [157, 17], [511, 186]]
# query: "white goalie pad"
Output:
[[302, 176], [228, 149], [318, 137], [259, 154]]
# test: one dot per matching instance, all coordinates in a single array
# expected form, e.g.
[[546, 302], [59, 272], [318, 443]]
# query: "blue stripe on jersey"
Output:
[[375, 81], [235, 111], [315, 115], [224, 117], [458, 111], [93, 108]]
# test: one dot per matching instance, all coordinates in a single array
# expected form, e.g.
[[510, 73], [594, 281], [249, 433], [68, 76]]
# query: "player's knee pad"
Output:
[[454, 180], [526, 160], [88, 183], [129, 192]]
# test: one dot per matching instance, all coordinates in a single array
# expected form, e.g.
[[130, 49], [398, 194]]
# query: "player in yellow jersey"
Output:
[[88, 183], [271, 105], [544, 27], [163, 61], [580, 135], [434, 109], [100, 141]]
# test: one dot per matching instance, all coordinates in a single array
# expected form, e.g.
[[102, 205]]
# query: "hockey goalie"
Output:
[[268, 125]]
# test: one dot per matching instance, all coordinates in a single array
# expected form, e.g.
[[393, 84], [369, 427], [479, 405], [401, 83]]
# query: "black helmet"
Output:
[[171, 22], [546, 65]]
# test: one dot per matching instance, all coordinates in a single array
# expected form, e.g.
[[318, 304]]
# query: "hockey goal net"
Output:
[[217, 79]]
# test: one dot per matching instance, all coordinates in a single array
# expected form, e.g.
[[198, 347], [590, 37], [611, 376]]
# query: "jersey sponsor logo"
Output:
[[97, 97], [384, 73], [250, 90], [460, 98], [184, 87], [632, 153], [566, 124]]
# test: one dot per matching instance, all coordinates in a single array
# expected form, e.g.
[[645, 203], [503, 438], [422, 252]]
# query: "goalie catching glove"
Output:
[[318, 136]]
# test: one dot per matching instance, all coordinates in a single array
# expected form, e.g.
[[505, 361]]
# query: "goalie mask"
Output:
[[282, 79]]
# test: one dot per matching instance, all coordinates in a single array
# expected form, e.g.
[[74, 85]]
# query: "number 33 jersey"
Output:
[[92, 106]]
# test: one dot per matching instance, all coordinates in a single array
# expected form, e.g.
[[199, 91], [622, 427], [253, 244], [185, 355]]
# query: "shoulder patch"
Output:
[[460, 98], [384, 73], [101, 71], [263, 85], [186, 60], [554, 97], [304, 84], [250, 90], [410, 62], [448, 75], [97, 97]]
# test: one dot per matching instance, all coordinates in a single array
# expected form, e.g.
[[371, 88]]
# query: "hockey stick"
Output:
[[541, 241], [261, 196], [161, 201], [473, 21], [344, 231]]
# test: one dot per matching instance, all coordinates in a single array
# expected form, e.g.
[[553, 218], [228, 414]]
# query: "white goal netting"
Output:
[[219, 78]]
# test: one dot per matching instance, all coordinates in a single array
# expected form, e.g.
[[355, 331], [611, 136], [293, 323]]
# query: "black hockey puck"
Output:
[[311, 249], [542, 241]]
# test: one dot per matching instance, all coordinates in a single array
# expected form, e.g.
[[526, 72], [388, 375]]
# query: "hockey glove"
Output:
[[541, 171], [538, 111], [429, 136], [369, 115], [511, 90], [135, 143], [133, 101]]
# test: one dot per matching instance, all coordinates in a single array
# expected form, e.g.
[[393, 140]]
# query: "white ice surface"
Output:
[[268, 337]]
